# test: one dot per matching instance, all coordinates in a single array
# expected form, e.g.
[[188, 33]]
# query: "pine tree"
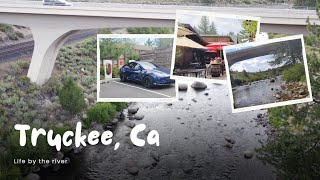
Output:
[[212, 29], [149, 42], [204, 25], [245, 73]]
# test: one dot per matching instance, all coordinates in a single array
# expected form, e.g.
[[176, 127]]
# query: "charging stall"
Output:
[[107, 64]]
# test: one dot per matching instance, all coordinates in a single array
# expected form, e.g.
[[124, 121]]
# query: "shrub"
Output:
[[278, 116], [294, 73], [237, 82], [5, 28], [101, 72], [19, 34], [105, 31], [120, 105], [101, 112], [23, 64], [42, 150], [12, 36], [16, 69], [8, 170], [52, 86], [71, 96], [115, 72]]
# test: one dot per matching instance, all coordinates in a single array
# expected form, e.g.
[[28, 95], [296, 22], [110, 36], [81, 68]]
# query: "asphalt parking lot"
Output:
[[116, 89]]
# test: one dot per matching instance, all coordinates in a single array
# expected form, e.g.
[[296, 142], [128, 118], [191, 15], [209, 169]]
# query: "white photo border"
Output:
[[277, 104], [100, 36], [204, 13]]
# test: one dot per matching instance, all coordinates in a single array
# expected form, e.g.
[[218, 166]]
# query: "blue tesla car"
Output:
[[148, 74]]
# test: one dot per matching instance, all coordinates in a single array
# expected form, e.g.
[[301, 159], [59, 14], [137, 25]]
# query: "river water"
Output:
[[258, 93], [192, 143]]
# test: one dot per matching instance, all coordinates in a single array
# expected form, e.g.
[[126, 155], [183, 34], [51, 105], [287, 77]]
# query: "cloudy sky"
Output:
[[223, 25], [254, 64]]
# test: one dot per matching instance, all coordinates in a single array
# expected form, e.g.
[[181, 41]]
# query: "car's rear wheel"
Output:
[[123, 78], [148, 82]]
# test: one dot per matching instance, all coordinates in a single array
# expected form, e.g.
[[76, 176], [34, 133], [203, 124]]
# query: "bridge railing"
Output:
[[196, 3]]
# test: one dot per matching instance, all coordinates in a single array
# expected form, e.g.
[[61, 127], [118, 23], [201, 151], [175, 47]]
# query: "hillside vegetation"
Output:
[[67, 98]]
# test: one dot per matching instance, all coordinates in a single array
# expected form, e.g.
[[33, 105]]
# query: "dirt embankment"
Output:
[[11, 33]]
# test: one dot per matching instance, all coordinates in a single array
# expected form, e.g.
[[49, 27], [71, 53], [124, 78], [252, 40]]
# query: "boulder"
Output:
[[139, 116], [248, 154], [129, 124], [198, 85], [33, 176], [115, 121], [228, 145], [183, 87], [259, 115], [133, 110], [133, 170], [230, 140]]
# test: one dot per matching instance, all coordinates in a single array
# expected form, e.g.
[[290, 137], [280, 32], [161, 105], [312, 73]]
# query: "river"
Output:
[[257, 93], [192, 143]]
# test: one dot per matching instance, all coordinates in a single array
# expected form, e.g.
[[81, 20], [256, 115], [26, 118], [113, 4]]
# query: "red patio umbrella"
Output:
[[216, 46]]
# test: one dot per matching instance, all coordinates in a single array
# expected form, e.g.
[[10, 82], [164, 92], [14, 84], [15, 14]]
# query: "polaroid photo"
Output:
[[135, 68], [199, 42], [267, 73]]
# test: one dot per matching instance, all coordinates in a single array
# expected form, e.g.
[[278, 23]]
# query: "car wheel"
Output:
[[123, 78], [147, 82]]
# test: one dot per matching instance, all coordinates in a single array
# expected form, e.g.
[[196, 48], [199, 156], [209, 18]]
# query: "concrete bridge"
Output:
[[51, 26], [262, 50]]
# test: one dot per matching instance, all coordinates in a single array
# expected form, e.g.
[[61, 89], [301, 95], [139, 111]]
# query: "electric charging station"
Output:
[[107, 64]]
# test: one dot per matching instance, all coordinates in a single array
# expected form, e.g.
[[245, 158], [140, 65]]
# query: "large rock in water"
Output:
[[248, 154], [183, 87], [198, 85], [133, 170], [129, 124], [133, 110], [230, 140], [139, 116]]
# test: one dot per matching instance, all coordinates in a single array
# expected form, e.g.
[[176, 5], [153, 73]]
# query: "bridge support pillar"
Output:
[[47, 43]]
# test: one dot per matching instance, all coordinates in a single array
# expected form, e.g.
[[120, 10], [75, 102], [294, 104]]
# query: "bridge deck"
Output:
[[268, 15]]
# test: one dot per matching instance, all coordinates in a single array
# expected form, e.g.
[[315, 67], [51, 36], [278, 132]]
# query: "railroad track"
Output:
[[24, 49]]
